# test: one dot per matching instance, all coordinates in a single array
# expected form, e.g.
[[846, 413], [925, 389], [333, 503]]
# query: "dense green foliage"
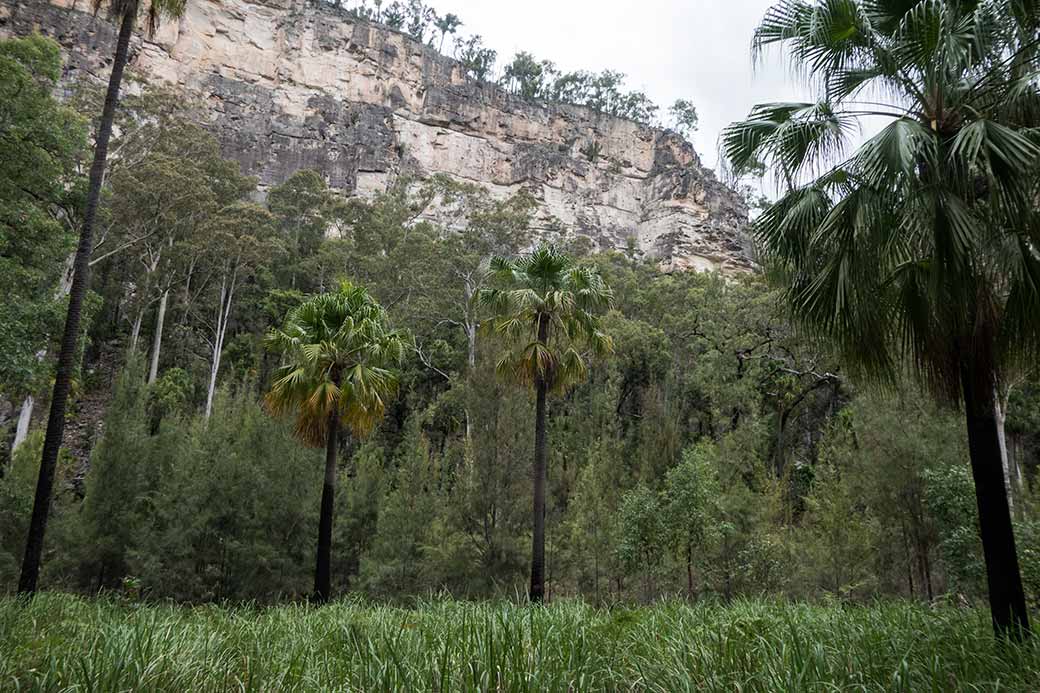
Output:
[[918, 248], [715, 452], [41, 143], [64, 643]]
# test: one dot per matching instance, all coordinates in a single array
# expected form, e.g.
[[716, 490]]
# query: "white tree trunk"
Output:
[[153, 371], [135, 332], [1000, 413], [21, 432], [214, 368], [65, 285], [227, 294]]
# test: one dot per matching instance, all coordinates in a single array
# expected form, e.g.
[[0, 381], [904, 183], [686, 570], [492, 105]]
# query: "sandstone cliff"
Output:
[[293, 84]]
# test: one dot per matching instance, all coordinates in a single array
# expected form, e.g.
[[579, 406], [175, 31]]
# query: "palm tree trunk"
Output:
[[537, 593], [541, 453], [1006, 597], [323, 569], [70, 339]]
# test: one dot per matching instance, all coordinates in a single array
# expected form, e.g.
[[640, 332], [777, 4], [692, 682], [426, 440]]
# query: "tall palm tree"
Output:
[[546, 306], [921, 245], [125, 11], [338, 349]]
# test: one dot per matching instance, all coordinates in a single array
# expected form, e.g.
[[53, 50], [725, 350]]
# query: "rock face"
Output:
[[296, 84]]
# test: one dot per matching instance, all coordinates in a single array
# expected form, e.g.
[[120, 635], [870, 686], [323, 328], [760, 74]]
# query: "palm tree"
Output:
[[921, 246], [338, 347], [126, 12], [547, 306]]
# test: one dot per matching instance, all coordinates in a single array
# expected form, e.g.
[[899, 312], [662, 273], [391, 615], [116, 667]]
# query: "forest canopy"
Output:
[[711, 450]]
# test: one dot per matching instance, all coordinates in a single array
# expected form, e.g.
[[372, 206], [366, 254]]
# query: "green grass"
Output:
[[60, 643]]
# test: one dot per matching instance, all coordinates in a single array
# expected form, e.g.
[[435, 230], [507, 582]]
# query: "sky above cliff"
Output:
[[671, 49]]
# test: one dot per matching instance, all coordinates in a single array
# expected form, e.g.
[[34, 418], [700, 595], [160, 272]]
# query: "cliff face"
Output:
[[293, 85]]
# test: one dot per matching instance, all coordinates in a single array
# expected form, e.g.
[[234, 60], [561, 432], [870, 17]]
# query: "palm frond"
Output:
[[339, 350]]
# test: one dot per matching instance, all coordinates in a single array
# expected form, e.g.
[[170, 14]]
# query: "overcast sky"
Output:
[[692, 49]]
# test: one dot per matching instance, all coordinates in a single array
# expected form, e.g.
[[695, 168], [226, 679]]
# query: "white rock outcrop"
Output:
[[298, 84]]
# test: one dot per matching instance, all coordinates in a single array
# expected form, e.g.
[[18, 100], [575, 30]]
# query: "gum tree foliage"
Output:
[[439, 495], [684, 118], [301, 207], [168, 185], [43, 143], [642, 534], [478, 61], [603, 92], [687, 504]]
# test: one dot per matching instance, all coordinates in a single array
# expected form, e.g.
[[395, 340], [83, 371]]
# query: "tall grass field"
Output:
[[64, 643]]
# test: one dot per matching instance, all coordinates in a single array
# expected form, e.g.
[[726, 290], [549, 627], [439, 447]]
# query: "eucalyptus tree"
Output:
[[159, 202], [526, 76], [241, 240], [919, 246], [448, 24], [477, 61], [690, 489], [684, 117], [42, 141], [301, 206], [546, 306], [338, 349], [126, 12]]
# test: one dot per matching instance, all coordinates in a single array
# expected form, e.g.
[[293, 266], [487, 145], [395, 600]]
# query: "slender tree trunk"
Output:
[[323, 569], [153, 371], [21, 431], [909, 559], [1000, 413], [214, 367], [227, 296], [1014, 451], [689, 571], [780, 440], [70, 338], [541, 454], [595, 564], [927, 573], [1006, 597], [471, 343], [135, 331]]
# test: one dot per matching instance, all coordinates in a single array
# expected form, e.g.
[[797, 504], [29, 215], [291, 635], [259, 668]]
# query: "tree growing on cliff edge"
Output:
[[922, 246], [126, 11], [338, 349], [684, 117], [548, 297], [448, 24]]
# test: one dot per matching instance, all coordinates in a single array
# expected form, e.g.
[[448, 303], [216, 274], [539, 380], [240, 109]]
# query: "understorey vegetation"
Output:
[[699, 446], [291, 439], [66, 643]]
